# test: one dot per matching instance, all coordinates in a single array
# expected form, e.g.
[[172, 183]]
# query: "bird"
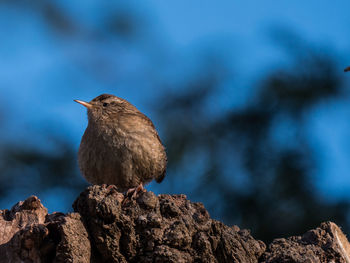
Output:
[[120, 146]]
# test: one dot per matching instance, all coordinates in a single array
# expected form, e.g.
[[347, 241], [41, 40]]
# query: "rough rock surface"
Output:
[[161, 229], [326, 243], [151, 228], [29, 234]]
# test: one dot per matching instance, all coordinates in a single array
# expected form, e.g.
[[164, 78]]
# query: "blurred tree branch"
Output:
[[257, 180]]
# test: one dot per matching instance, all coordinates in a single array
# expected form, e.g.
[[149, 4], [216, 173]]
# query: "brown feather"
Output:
[[120, 146]]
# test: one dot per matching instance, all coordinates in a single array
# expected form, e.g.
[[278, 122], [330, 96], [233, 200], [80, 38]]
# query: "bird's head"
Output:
[[106, 107]]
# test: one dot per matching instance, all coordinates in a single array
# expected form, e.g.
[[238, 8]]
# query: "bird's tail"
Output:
[[160, 178]]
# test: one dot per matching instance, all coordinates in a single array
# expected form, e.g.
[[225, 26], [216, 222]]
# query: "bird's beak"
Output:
[[86, 104]]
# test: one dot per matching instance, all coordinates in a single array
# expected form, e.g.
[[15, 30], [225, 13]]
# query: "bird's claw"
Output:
[[133, 193]]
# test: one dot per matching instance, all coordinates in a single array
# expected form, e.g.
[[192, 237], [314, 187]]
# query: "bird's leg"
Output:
[[134, 191], [130, 191], [138, 189]]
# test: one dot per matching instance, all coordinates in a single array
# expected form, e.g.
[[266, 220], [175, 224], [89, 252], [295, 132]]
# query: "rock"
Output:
[[164, 228], [21, 215], [73, 240], [29, 234], [161, 229], [326, 243]]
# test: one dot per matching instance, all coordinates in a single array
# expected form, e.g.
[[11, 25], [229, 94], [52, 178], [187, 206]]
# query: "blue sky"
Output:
[[41, 74], [185, 22], [245, 25]]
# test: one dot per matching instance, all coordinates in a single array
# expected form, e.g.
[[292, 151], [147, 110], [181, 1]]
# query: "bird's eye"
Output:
[[105, 104]]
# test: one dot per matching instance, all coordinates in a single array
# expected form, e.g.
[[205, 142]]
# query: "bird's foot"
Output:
[[133, 193]]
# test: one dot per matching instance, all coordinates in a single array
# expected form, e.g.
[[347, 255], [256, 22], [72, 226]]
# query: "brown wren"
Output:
[[120, 145]]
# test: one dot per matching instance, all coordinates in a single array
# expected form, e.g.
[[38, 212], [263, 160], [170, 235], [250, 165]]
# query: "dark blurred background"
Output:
[[250, 100]]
